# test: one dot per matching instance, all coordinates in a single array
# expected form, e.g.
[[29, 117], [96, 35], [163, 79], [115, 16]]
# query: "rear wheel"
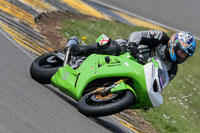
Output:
[[44, 67], [96, 105]]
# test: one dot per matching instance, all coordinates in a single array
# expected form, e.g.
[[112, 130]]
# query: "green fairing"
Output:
[[72, 82], [155, 62], [121, 87], [65, 77]]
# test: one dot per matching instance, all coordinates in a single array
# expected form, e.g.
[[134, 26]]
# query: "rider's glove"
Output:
[[133, 48], [141, 59]]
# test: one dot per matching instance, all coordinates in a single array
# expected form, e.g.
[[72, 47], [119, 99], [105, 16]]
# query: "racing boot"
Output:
[[73, 41]]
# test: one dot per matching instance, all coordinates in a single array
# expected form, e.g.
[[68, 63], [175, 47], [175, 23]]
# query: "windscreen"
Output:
[[162, 73]]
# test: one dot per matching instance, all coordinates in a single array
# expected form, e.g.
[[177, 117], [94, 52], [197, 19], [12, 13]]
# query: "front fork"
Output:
[[63, 57], [67, 50]]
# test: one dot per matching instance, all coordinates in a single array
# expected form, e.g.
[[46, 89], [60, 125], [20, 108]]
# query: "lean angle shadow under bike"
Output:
[[103, 84]]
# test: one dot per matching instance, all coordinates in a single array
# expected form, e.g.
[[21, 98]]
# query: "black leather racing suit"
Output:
[[149, 42]]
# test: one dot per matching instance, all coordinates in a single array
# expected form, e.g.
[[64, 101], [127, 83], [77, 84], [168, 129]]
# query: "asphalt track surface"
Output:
[[179, 14], [29, 107]]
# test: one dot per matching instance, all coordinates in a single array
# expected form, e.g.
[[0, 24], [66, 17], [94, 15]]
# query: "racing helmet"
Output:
[[181, 46]]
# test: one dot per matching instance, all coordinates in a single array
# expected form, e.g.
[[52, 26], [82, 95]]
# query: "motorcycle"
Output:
[[103, 84]]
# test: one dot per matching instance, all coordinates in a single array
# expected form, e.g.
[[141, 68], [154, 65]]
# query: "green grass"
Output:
[[180, 111], [92, 29]]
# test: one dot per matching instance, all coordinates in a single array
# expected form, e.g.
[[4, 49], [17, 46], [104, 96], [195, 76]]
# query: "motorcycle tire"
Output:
[[88, 108], [41, 70]]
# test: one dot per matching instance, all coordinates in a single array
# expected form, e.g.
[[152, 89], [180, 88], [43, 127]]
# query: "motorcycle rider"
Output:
[[142, 45]]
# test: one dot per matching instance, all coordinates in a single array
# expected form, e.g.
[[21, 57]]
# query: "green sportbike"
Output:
[[103, 84]]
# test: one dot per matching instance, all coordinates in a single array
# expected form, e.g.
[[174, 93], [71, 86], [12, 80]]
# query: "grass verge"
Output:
[[181, 109]]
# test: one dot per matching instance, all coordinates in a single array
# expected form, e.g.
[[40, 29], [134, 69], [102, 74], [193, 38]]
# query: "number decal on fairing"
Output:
[[65, 76]]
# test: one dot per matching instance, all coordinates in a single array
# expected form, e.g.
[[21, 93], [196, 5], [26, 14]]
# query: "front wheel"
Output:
[[44, 67], [97, 105]]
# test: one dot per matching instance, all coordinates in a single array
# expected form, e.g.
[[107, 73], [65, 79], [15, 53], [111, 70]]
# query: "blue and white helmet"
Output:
[[181, 45]]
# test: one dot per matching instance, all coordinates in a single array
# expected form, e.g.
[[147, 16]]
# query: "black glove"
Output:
[[141, 59], [133, 48]]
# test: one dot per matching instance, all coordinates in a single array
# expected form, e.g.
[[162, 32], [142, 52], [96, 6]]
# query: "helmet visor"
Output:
[[181, 55]]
